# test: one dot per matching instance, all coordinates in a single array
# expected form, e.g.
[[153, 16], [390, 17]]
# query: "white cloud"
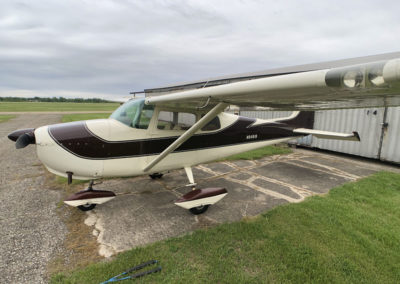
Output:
[[113, 47]]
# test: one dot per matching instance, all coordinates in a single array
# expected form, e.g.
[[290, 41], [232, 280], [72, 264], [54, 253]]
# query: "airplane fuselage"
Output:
[[108, 148]]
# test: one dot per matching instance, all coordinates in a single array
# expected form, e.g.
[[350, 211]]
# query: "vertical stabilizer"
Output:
[[304, 119]]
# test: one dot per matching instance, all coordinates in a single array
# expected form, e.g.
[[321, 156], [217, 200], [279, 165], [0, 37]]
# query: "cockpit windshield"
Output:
[[134, 113]]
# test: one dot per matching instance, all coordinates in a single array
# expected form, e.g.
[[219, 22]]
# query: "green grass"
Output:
[[351, 235], [259, 153], [83, 116], [5, 117], [42, 106]]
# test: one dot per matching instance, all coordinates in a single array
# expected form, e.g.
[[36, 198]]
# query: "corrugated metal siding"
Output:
[[391, 139], [367, 122], [305, 141]]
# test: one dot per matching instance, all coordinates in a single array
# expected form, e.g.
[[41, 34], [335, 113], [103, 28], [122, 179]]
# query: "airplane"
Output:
[[157, 134]]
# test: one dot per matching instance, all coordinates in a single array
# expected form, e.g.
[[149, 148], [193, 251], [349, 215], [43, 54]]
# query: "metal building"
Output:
[[379, 130]]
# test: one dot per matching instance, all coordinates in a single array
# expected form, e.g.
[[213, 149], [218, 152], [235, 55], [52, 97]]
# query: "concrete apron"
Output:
[[146, 213]]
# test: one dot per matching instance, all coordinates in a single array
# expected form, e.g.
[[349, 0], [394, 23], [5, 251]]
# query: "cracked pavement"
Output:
[[144, 211]]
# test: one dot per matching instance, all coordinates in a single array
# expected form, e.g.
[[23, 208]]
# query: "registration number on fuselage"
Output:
[[251, 137]]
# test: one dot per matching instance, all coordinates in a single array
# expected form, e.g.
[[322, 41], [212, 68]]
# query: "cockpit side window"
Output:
[[134, 113]]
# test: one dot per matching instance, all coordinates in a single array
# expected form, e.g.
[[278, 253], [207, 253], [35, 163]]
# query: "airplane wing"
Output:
[[363, 85], [374, 83]]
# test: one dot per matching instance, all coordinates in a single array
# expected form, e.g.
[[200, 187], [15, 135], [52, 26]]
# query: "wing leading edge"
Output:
[[363, 85]]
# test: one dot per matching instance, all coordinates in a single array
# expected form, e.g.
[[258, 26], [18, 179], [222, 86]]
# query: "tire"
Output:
[[86, 207], [156, 175], [199, 209]]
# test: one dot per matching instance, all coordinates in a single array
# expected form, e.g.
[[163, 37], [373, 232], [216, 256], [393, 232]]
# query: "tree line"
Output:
[[54, 99]]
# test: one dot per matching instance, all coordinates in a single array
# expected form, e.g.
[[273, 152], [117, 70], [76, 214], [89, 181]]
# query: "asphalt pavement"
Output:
[[31, 231]]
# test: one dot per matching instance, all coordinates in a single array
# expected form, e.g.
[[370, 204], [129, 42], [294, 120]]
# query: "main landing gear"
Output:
[[199, 200], [87, 199]]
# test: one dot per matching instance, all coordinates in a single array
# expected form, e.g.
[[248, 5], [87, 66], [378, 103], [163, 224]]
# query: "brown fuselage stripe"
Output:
[[76, 138]]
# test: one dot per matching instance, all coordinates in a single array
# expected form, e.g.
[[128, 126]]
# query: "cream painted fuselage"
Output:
[[105, 148]]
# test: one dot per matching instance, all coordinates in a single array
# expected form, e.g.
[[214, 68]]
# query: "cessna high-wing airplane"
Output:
[[185, 128]]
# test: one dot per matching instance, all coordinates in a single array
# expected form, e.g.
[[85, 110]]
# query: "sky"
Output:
[[106, 49]]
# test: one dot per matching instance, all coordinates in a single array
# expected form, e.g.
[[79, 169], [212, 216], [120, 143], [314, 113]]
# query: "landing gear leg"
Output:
[[198, 209], [189, 174]]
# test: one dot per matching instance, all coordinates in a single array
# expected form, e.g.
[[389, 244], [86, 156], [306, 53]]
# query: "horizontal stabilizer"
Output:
[[328, 134]]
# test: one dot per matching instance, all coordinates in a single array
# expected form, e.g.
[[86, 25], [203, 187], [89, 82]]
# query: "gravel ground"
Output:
[[31, 232]]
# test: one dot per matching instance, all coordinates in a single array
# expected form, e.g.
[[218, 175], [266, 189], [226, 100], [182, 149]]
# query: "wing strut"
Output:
[[189, 133]]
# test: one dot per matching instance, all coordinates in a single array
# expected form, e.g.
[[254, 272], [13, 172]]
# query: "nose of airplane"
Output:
[[23, 137], [62, 149]]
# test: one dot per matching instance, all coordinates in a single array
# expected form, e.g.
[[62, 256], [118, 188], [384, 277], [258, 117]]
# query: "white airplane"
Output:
[[182, 129]]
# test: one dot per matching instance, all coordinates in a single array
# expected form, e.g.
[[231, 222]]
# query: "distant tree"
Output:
[[53, 99]]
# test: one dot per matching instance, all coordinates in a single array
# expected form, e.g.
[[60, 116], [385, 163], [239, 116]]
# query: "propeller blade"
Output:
[[13, 136], [24, 140]]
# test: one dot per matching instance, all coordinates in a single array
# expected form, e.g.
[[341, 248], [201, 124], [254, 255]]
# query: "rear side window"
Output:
[[212, 125], [168, 120]]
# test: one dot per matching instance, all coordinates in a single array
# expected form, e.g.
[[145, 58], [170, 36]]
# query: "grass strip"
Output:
[[351, 234], [44, 106], [83, 116], [6, 117]]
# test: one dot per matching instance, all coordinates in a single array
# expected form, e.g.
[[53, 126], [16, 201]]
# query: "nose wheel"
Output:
[[88, 206]]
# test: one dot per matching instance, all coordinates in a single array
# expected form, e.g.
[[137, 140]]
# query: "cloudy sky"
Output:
[[108, 48]]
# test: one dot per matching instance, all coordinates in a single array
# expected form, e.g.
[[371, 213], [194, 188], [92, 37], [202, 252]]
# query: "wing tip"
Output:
[[357, 136]]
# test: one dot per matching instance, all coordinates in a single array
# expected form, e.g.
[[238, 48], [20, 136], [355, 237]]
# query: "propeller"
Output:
[[23, 137], [24, 140]]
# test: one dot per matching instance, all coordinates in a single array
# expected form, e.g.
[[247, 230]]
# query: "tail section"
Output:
[[303, 123], [300, 119], [328, 135]]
